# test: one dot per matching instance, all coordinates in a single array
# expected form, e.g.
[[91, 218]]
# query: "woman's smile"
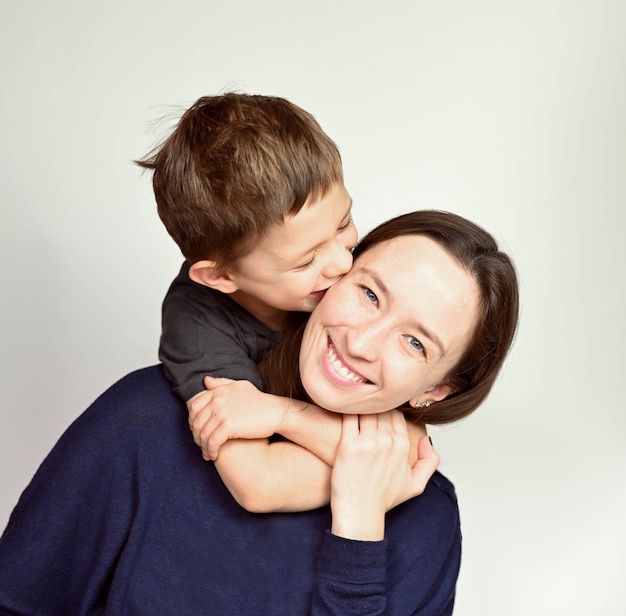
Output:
[[338, 370]]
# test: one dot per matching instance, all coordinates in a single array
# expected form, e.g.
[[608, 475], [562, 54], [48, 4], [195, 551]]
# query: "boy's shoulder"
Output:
[[200, 302], [192, 307]]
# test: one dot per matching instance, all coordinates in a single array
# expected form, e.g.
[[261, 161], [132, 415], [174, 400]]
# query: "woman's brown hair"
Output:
[[474, 375]]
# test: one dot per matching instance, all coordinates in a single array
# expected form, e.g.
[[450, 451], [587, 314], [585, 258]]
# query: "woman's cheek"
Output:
[[339, 307]]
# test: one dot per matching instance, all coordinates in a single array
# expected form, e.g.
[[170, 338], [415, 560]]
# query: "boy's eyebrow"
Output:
[[301, 254], [348, 209], [423, 330]]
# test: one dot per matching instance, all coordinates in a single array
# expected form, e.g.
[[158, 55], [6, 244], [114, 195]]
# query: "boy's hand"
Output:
[[231, 409], [372, 473]]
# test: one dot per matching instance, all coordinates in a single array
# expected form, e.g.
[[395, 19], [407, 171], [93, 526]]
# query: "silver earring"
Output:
[[423, 405]]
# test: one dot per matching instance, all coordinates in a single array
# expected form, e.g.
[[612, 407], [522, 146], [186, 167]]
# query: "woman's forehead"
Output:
[[405, 252], [422, 281], [414, 264]]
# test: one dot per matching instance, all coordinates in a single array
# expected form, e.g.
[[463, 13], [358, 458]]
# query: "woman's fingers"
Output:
[[371, 468], [426, 465], [350, 428]]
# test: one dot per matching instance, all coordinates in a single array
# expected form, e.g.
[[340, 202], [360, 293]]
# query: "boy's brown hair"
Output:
[[235, 165]]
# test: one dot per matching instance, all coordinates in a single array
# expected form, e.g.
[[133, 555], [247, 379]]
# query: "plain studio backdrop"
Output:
[[510, 113]]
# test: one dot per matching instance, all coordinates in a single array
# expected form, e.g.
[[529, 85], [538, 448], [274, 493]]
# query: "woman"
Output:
[[124, 517]]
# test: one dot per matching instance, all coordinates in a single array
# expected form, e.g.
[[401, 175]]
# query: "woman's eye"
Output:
[[370, 295], [416, 344]]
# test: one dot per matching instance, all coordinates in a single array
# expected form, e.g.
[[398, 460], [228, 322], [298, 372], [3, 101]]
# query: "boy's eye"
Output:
[[416, 344], [346, 224], [306, 265]]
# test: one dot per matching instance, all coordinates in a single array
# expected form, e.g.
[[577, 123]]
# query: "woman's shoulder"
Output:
[[427, 524], [145, 392], [138, 412], [442, 485], [438, 504], [424, 549]]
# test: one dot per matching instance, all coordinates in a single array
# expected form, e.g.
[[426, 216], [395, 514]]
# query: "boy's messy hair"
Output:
[[235, 165]]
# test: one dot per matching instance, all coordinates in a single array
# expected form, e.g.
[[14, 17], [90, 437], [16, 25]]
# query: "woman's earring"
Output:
[[423, 405]]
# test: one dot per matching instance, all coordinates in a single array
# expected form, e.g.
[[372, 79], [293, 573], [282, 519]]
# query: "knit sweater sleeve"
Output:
[[351, 577], [413, 572]]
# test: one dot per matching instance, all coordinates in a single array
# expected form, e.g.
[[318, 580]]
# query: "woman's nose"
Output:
[[365, 338]]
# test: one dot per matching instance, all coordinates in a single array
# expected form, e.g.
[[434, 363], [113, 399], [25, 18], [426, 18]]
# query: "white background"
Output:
[[511, 113]]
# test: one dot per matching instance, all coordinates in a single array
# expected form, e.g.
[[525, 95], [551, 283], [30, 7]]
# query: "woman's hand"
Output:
[[231, 409], [372, 473]]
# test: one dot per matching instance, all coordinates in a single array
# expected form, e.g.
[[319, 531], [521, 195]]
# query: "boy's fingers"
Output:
[[214, 442], [200, 401], [214, 381]]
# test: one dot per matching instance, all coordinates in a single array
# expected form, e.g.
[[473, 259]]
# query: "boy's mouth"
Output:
[[319, 294]]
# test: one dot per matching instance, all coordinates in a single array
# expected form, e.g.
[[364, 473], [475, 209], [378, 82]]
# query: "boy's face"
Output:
[[295, 262]]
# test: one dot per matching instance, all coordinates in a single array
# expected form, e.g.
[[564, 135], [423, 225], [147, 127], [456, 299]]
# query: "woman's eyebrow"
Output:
[[425, 332], [374, 276], [433, 338]]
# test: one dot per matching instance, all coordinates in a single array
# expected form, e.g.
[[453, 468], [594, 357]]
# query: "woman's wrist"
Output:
[[357, 524]]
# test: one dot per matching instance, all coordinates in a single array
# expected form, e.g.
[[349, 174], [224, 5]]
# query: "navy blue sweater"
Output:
[[124, 517]]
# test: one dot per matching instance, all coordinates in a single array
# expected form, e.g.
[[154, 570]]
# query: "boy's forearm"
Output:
[[313, 428], [281, 476], [319, 431]]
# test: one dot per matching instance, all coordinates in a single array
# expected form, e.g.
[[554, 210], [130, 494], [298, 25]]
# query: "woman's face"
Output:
[[390, 330]]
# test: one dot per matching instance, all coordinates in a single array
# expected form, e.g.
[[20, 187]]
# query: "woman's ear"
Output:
[[210, 274], [434, 394]]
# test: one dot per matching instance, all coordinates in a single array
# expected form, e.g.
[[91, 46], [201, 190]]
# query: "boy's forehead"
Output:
[[315, 224]]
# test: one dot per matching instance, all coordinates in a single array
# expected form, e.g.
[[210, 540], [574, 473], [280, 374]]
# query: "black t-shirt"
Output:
[[205, 332]]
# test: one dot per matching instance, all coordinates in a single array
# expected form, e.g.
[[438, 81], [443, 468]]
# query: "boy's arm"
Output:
[[237, 410], [284, 477], [262, 476], [205, 332], [279, 476], [230, 409]]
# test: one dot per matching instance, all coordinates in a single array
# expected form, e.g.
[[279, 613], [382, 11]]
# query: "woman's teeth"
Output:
[[341, 369]]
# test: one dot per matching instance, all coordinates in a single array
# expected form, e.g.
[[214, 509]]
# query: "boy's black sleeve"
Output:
[[204, 332]]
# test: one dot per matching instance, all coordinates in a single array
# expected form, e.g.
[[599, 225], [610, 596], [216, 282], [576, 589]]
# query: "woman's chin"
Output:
[[348, 400]]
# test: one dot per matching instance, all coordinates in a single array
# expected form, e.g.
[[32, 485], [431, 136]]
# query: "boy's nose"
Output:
[[339, 261]]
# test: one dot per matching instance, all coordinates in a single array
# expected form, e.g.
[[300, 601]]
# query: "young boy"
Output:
[[251, 189]]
